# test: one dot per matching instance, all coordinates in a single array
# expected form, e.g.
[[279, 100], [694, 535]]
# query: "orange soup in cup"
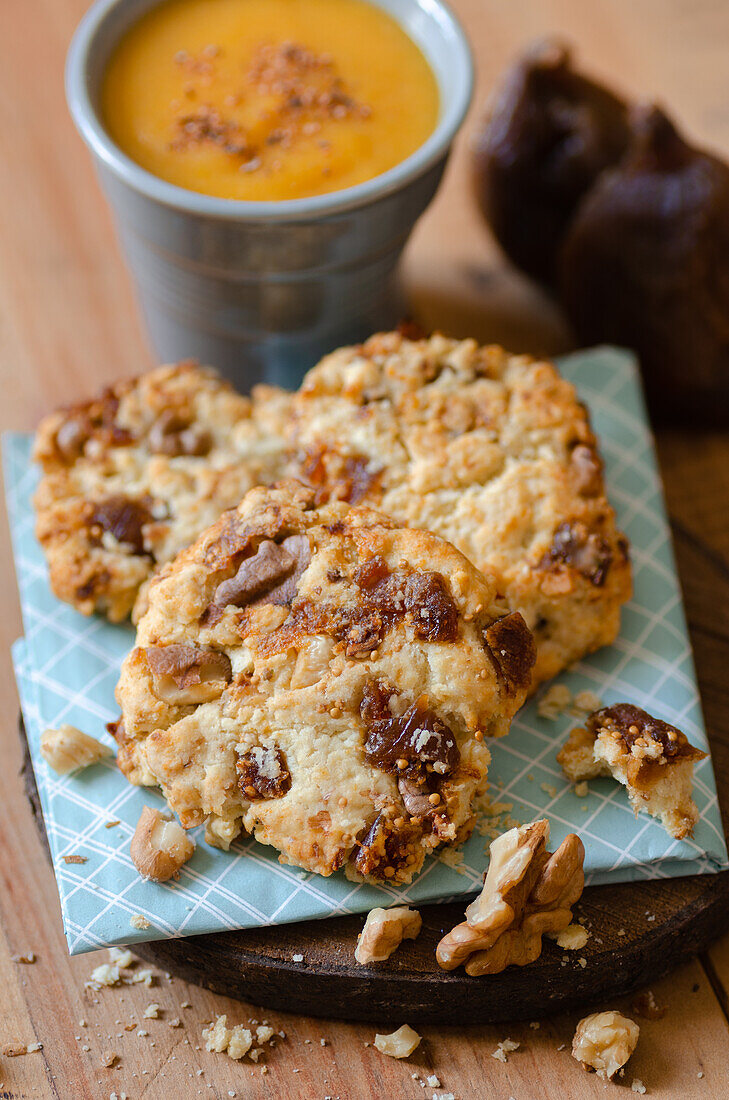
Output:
[[268, 99]]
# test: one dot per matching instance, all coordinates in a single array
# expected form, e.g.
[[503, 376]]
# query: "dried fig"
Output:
[[548, 135], [644, 264]]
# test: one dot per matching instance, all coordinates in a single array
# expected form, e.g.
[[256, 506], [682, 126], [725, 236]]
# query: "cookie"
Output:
[[652, 759], [131, 478], [325, 680], [491, 451]]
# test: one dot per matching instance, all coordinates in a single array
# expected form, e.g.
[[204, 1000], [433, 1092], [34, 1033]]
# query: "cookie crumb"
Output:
[[646, 1005], [505, 1047], [573, 937], [122, 957], [554, 701], [140, 922]]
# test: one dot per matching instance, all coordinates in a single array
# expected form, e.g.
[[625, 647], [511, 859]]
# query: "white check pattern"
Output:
[[67, 667]]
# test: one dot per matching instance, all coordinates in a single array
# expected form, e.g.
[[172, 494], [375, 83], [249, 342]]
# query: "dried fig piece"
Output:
[[122, 517], [586, 551], [645, 265], [512, 648], [384, 850], [549, 134], [263, 772], [423, 595], [410, 746]]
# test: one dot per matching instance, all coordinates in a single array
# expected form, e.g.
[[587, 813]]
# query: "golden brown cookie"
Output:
[[325, 680], [132, 477], [491, 451]]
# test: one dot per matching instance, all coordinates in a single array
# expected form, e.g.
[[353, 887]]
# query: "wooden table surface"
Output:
[[68, 323]]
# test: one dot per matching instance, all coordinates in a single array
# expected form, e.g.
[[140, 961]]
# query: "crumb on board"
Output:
[[122, 956], [398, 1044], [236, 1041], [504, 1049], [573, 937], [15, 1051], [645, 1004], [140, 922]]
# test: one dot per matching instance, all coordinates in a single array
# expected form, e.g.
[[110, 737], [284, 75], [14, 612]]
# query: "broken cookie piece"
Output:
[[651, 758], [67, 749], [527, 892], [383, 932], [604, 1042]]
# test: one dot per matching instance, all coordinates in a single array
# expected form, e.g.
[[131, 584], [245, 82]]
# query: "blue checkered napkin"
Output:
[[67, 668]]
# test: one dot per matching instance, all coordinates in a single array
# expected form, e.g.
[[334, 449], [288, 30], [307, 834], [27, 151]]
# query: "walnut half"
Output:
[[67, 749], [527, 892], [159, 846], [604, 1042], [383, 932]]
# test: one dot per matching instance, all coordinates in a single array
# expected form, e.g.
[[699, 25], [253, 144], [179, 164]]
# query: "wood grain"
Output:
[[642, 931], [68, 322]]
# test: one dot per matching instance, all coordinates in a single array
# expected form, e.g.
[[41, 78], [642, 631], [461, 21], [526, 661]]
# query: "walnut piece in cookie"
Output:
[[131, 477], [652, 759], [527, 892], [188, 674], [604, 1042], [67, 749], [383, 932], [159, 846], [322, 679]]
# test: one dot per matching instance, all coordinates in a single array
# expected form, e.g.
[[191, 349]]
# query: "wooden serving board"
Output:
[[640, 931]]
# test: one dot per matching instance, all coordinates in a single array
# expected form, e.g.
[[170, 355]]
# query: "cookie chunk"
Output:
[[132, 477], [653, 760], [325, 680], [491, 451]]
